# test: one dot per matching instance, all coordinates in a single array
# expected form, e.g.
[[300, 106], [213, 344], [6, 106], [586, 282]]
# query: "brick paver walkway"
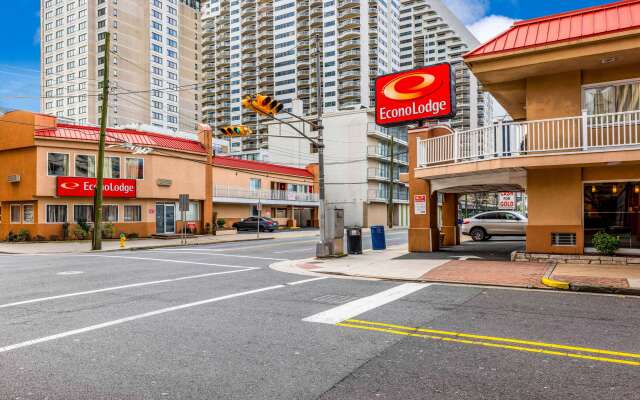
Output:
[[499, 273]]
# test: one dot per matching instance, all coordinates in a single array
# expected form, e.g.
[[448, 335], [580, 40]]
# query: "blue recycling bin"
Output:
[[378, 241]]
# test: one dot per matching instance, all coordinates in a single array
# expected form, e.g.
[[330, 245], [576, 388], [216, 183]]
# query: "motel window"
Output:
[[15, 213], [132, 213], [194, 211], [135, 168], [86, 166], [112, 167], [27, 214], [82, 213], [57, 164], [110, 213], [56, 213], [610, 98], [255, 184]]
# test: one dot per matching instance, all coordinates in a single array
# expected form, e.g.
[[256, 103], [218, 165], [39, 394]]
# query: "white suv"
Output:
[[495, 223]]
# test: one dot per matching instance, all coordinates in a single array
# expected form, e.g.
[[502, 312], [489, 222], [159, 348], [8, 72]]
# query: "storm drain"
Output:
[[334, 299]]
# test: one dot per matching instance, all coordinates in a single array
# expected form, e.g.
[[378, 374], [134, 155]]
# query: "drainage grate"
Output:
[[334, 299]]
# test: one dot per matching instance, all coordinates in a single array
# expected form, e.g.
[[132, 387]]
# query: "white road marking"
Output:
[[167, 260], [258, 246], [133, 318], [217, 254], [114, 288], [70, 273], [306, 280], [357, 307], [293, 251]]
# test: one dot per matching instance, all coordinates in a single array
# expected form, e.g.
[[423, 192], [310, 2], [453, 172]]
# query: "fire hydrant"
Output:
[[123, 240]]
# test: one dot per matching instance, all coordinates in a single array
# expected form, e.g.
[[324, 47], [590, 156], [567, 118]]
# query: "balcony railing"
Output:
[[383, 195], [236, 192], [585, 133]]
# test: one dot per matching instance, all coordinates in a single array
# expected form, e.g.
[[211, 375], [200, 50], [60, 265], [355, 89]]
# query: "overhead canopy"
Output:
[[505, 181]]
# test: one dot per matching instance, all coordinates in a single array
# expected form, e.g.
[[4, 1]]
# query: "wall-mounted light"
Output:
[[636, 189], [608, 60], [614, 189], [593, 189]]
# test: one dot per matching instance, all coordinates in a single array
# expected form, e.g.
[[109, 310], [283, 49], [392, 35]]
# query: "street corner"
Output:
[[299, 267], [600, 278]]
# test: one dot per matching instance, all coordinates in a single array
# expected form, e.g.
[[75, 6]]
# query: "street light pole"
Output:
[[97, 200], [322, 249]]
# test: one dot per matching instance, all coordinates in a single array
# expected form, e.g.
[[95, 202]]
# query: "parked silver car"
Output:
[[494, 223]]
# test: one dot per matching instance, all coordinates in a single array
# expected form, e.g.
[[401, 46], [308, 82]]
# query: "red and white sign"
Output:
[[506, 201], [420, 204], [420, 94], [71, 186]]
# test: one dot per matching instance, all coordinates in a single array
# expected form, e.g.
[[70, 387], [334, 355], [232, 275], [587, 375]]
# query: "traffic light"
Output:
[[236, 130], [262, 104]]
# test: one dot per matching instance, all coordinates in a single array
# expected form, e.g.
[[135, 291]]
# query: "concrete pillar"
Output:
[[450, 220], [424, 235]]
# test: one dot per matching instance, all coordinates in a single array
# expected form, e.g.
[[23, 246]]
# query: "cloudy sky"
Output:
[[20, 47]]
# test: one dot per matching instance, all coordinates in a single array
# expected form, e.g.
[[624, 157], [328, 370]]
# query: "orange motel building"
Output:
[[47, 168], [571, 83]]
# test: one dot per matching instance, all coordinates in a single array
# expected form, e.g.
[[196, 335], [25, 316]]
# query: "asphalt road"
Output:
[[214, 322]]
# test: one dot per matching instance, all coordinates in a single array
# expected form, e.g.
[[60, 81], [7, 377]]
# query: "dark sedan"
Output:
[[251, 223]]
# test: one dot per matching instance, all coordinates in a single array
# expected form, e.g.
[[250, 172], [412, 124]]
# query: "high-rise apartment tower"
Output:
[[155, 52]]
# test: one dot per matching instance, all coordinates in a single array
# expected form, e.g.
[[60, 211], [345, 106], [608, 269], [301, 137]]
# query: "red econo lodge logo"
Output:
[[419, 94], [71, 186]]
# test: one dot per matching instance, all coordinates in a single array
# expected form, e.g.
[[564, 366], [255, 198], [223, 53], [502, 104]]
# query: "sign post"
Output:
[[259, 208], [184, 207]]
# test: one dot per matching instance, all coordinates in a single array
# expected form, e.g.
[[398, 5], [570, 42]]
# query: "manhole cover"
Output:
[[334, 299]]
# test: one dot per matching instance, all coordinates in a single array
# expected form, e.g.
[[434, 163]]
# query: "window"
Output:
[[110, 213], [15, 213], [86, 166], [132, 213], [194, 211], [254, 184], [82, 213], [56, 213], [112, 167], [57, 164], [135, 168], [616, 97], [27, 214]]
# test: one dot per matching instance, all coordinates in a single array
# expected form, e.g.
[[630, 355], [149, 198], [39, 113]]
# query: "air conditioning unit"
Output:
[[13, 178]]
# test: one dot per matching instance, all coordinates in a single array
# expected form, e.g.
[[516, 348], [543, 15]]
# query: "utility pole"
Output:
[[323, 249], [97, 199], [391, 170]]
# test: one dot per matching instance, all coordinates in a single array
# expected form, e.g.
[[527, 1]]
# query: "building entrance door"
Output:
[[165, 218]]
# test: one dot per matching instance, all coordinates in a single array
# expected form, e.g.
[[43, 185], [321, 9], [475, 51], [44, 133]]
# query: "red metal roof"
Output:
[[260, 166], [90, 133], [568, 26]]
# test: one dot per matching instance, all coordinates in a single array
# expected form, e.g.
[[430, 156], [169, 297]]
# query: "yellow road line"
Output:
[[500, 339], [488, 344]]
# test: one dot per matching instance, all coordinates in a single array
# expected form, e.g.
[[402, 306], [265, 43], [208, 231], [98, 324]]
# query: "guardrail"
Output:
[[263, 194], [585, 133]]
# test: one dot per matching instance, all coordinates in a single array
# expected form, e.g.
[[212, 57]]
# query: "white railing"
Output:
[[236, 192], [583, 133]]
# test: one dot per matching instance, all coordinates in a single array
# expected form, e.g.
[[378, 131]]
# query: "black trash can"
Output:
[[354, 240]]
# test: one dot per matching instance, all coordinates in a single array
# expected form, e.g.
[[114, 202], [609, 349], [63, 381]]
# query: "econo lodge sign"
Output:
[[70, 186], [420, 94]]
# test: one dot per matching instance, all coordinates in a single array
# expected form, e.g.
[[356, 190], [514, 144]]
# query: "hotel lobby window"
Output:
[[613, 207]]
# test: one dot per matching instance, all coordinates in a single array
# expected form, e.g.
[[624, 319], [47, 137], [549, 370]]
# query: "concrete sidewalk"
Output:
[[396, 263], [141, 244]]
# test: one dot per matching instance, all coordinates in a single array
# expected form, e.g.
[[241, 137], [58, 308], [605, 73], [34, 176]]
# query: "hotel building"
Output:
[[571, 82]]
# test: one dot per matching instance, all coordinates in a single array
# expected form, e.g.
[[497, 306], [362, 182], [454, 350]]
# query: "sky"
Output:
[[20, 37]]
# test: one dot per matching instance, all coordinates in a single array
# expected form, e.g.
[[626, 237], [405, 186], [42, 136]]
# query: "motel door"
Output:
[[165, 218]]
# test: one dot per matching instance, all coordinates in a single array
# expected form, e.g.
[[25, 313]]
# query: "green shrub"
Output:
[[23, 236], [80, 233], [11, 237], [221, 222], [108, 230], [605, 243]]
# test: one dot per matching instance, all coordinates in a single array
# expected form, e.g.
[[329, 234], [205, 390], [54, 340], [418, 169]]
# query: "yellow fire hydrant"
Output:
[[123, 240]]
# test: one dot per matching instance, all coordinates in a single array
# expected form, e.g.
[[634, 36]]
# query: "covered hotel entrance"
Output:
[[614, 208]]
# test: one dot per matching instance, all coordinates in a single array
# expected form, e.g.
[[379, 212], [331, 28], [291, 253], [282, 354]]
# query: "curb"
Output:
[[150, 247], [552, 283]]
